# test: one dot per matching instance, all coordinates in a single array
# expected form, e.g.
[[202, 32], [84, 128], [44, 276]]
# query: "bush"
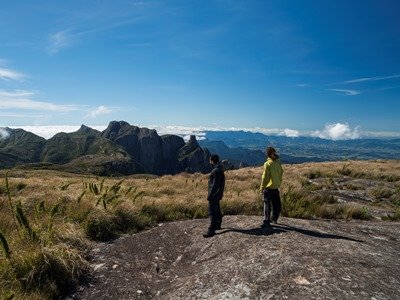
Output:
[[238, 207], [382, 192], [357, 212], [295, 205], [126, 221], [393, 217], [329, 211], [101, 229], [163, 212], [49, 272], [314, 174]]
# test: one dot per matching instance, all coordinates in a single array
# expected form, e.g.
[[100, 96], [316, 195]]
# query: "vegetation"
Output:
[[49, 219]]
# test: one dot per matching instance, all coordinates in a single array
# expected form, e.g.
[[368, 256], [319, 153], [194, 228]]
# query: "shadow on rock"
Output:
[[281, 228], [254, 231], [315, 233]]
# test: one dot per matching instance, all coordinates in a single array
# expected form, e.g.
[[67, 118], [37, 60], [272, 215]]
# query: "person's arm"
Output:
[[266, 177], [214, 185]]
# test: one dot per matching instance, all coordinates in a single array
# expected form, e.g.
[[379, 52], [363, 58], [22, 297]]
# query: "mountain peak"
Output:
[[193, 141]]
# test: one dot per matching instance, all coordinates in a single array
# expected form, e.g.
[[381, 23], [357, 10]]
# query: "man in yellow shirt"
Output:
[[270, 183]]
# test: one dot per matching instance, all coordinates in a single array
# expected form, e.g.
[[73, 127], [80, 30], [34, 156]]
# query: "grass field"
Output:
[[50, 220]]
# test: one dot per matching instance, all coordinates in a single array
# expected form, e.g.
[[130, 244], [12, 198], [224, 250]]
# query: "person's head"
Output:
[[214, 159], [271, 153]]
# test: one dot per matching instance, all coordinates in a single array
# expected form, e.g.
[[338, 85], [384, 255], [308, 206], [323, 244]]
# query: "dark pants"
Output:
[[272, 200], [214, 211]]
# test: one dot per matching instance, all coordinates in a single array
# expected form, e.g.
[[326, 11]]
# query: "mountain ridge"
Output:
[[121, 149]]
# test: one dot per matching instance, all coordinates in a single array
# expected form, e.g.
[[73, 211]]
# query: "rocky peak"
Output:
[[193, 141], [87, 130]]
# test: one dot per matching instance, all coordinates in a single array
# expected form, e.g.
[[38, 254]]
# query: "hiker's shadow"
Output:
[[281, 228], [254, 231]]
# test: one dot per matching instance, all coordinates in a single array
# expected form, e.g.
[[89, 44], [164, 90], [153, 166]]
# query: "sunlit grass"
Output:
[[49, 219]]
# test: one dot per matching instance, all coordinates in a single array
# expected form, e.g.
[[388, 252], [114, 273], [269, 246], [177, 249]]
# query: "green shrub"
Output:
[[296, 205], [50, 272], [330, 211], [345, 170], [101, 228], [238, 207], [126, 221], [314, 174], [382, 192], [357, 212], [393, 216]]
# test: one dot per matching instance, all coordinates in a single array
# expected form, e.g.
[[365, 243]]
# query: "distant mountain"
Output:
[[309, 149], [121, 149], [237, 156], [20, 147]]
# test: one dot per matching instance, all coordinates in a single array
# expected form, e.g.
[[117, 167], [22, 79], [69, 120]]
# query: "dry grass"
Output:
[[64, 212]]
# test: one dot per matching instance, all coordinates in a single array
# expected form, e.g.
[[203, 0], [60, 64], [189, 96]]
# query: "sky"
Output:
[[321, 68]]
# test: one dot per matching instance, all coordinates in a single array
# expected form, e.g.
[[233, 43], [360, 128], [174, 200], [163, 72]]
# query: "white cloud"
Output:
[[302, 85], [101, 110], [338, 131], [199, 132], [58, 40], [8, 74], [3, 134], [50, 130], [376, 78], [20, 99], [290, 133], [346, 92]]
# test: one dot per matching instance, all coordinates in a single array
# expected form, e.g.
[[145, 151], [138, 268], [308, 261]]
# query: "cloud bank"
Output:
[[338, 131]]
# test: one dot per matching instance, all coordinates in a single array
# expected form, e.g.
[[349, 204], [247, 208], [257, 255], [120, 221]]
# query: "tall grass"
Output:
[[49, 219]]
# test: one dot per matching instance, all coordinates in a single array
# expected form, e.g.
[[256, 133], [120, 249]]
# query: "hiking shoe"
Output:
[[266, 225], [209, 234], [218, 227]]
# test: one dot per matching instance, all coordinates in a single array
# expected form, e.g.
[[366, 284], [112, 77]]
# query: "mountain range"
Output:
[[299, 149], [121, 149]]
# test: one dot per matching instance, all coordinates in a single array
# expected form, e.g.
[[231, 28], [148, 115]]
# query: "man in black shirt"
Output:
[[216, 185]]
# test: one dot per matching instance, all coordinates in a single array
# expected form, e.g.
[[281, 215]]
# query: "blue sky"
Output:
[[297, 67]]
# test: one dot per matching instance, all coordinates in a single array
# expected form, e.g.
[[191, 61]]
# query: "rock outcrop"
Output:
[[297, 259], [193, 158], [171, 146]]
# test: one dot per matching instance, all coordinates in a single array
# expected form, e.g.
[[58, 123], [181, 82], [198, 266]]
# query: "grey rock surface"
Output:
[[297, 259]]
